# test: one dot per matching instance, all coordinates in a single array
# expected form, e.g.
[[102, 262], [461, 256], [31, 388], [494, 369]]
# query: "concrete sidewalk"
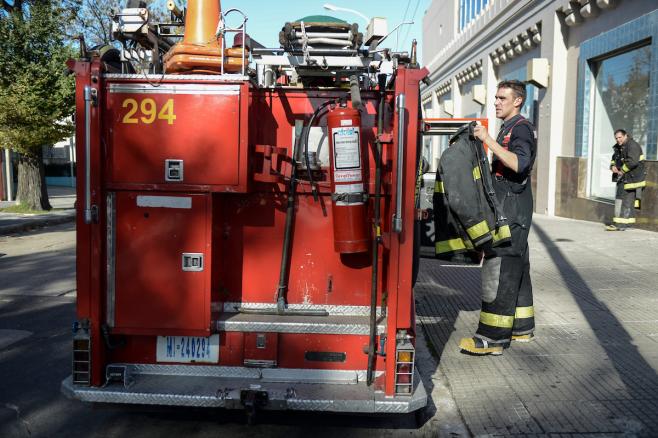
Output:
[[591, 370], [62, 199]]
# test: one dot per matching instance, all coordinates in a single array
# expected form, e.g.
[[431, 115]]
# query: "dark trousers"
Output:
[[624, 207], [507, 306]]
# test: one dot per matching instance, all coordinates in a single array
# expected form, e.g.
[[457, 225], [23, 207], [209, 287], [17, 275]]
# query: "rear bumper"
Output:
[[222, 387]]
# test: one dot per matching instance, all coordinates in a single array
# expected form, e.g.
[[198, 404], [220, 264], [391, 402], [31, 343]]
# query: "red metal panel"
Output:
[[294, 346], [83, 231], [400, 300], [153, 293], [290, 352], [148, 126], [96, 228], [276, 112], [261, 347], [252, 230]]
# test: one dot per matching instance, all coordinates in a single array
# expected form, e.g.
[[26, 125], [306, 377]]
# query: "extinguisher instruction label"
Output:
[[347, 154], [342, 176], [349, 188]]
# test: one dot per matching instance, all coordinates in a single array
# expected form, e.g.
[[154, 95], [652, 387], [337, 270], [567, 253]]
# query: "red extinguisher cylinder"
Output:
[[348, 183]]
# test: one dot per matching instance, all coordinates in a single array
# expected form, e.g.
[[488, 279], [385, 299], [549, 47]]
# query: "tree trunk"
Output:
[[32, 191]]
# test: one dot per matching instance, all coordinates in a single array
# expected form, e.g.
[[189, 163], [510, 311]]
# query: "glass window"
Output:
[[462, 9], [469, 10], [620, 101]]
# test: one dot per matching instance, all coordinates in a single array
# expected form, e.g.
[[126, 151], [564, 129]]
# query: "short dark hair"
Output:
[[517, 87], [620, 131]]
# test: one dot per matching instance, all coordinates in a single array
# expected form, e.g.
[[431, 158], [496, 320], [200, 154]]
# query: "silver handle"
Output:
[[397, 217], [87, 154]]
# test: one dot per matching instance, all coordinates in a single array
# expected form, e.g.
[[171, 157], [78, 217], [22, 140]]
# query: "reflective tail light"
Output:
[[404, 364], [81, 354]]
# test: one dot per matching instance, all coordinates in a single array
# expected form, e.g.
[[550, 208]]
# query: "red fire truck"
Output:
[[245, 227]]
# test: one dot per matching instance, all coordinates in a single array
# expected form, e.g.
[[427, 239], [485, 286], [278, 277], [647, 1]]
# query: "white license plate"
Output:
[[188, 349]]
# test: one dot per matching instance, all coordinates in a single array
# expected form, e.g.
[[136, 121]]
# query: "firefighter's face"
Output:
[[621, 138], [507, 104]]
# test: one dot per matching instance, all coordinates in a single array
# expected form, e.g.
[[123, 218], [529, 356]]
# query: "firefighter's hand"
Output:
[[480, 132], [614, 169]]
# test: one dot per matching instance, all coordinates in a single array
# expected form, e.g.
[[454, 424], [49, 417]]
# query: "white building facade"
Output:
[[591, 66]]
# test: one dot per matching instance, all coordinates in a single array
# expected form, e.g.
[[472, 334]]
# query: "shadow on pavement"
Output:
[[66, 226], [634, 371], [443, 291], [31, 404]]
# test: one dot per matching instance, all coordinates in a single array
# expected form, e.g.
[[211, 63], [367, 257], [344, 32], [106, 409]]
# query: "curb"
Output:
[[36, 223]]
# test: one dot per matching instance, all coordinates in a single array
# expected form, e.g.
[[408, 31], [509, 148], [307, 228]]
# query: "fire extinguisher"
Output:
[[348, 207]]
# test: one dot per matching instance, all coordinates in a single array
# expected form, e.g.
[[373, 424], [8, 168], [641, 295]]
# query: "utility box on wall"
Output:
[[538, 71]]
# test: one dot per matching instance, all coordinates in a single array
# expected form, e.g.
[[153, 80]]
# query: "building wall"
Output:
[[573, 36], [439, 26]]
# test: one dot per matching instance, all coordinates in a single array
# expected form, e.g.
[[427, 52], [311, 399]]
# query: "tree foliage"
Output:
[[36, 98], [94, 19]]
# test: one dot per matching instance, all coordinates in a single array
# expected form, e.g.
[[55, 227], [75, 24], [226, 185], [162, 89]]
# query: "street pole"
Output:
[[72, 159], [10, 176]]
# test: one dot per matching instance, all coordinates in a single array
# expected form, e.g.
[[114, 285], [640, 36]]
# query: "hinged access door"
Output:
[[159, 263], [175, 134]]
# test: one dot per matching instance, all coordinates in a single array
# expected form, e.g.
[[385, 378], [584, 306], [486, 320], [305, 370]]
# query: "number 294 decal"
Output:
[[147, 111]]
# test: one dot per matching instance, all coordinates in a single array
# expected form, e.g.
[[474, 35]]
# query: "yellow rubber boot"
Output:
[[479, 347], [523, 338]]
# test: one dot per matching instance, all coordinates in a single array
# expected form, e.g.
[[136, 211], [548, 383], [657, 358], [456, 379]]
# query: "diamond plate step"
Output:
[[327, 325]]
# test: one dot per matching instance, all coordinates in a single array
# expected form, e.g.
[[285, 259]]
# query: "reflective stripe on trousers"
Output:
[[507, 306], [624, 206]]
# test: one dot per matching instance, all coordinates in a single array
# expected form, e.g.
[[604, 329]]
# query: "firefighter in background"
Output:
[[628, 170], [507, 308]]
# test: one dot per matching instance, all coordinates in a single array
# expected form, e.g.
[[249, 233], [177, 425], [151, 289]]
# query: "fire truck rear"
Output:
[[245, 227]]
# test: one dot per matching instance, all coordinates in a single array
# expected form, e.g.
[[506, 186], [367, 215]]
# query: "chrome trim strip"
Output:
[[341, 377], [334, 325], [87, 200], [270, 375], [184, 202], [135, 88], [213, 392], [158, 78], [287, 60], [397, 217], [193, 371], [233, 306], [111, 258]]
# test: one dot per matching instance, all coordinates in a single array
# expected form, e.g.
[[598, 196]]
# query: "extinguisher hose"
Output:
[[282, 288], [287, 238], [305, 136], [372, 346]]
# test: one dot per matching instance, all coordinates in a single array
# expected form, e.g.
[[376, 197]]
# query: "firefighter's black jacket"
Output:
[[616, 161], [467, 214], [630, 156]]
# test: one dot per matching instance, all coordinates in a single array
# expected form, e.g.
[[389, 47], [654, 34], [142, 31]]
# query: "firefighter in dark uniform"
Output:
[[628, 170], [507, 308]]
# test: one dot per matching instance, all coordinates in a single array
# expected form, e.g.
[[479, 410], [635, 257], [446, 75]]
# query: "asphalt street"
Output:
[[590, 372], [37, 299]]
